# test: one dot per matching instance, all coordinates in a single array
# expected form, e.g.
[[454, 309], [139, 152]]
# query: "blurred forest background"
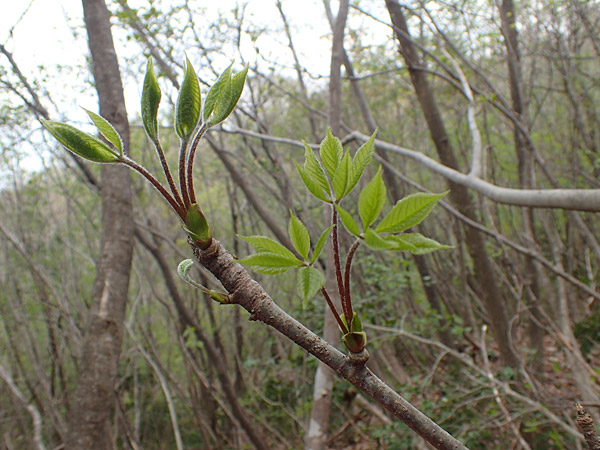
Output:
[[495, 339]]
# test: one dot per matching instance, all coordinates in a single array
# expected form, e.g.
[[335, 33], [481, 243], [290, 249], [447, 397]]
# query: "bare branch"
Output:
[[32, 410], [571, 199], [477, 161]]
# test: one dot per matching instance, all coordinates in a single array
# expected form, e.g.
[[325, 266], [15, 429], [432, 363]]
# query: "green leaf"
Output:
[[399, 243], [356, 324], [340, 179], [83, 144], [107, 130], [371, 200], [270, 263], [224, 95], [183, 269], [377, 242], [187, 110], [215, 91], [420, 243], [268, 245], [313, 186], [229, 97], [320, 244], [361, 160], [344, 321], [197, 226], [299, 236], [150, 100], [310, 280], [348, 221], [331, 153], [314, 169], [408, 212]]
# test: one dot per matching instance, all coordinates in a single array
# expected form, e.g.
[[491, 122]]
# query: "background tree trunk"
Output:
[[492, 300], [94, 396], [316, 435], [525, 167]]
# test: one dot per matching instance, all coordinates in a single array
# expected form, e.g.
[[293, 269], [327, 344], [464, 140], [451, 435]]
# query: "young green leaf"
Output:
[[299, 236], [229, 97], [356, 324], [345, 322], [314, 169], [348, 221], [183, 269], [187, 110], [107, 130], [399, 243], [150, 100], [313, 186], [268, 245], [361, 160], [214, 93], [310, 280], [340, 179], [377, 242], [83, 144], [331, 153], [320, 244], [420, 243], [270, 263], [408, 212], [371, 200]]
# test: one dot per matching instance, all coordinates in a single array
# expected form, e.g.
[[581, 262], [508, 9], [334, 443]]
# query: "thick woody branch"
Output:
[[586, 425], [571, 199], [251, 296]]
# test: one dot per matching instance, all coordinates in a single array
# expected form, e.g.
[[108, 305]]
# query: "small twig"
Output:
[[182, 183], [152, 179], [167, 171], [190, 163], [347, 271], [496, 391], [468, 361], [333, 310], [36, 417], [346, 306], [163, 384]]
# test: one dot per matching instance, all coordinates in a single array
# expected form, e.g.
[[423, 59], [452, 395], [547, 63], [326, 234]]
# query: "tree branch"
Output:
[[251, 296], [32, 410]]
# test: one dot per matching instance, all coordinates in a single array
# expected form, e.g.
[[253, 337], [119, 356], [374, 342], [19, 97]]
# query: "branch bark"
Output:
[[570, 199], [247, 293]]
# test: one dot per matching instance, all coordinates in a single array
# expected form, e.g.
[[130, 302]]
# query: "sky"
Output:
[[47, 32], [38, 31], [50, 33]]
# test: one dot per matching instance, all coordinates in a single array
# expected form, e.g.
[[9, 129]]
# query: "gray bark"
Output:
[[493, 301], [94, 396], [526, 180], [246, 292]]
